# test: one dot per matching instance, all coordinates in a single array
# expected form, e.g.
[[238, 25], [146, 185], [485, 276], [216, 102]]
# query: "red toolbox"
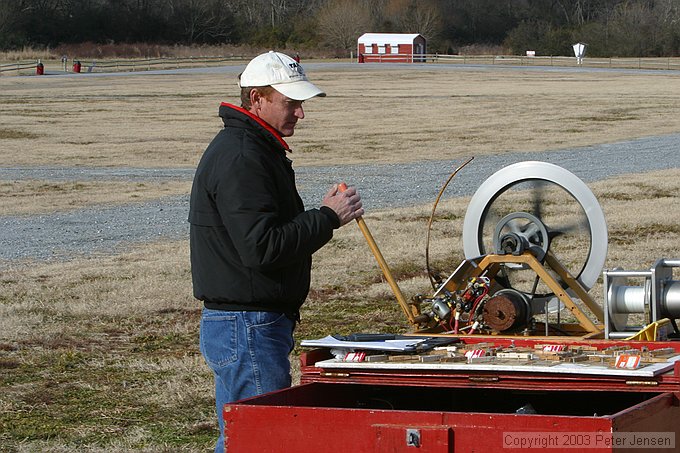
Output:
[[359, 407]]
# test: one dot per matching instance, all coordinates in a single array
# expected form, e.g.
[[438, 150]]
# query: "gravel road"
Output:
[[109, 230]]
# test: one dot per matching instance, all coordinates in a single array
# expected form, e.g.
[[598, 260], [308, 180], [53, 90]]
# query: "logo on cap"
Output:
[[295, 66]]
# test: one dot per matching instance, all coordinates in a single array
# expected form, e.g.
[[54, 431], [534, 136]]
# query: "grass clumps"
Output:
[[15, 134]]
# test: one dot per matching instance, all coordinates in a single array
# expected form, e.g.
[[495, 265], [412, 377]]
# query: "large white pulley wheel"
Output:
[[539, 194]]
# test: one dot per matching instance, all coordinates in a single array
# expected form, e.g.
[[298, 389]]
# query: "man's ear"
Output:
[[255, 97]]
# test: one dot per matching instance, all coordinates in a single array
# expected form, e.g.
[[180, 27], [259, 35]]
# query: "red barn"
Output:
[[391, 48]]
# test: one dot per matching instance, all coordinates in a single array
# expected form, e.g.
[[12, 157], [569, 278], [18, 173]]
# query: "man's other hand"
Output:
[[347, 204]]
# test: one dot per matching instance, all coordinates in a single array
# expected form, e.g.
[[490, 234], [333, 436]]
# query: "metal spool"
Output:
[[657, 296]]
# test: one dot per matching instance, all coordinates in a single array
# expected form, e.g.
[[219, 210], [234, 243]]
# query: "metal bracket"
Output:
[[413, 437]]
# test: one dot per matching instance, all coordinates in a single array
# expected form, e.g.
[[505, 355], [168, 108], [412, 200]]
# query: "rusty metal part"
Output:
[[506, 310]]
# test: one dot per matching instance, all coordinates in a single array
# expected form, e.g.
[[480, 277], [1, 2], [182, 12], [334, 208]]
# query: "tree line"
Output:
[[637, 28]]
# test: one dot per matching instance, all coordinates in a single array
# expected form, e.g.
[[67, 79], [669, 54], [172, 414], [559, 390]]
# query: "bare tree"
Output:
[[260, 13], [8, 15], [633, 30], [278, 10], [341, 22], [251, 12], [419, 17], [573, 10], [202, 20], [667, 12]]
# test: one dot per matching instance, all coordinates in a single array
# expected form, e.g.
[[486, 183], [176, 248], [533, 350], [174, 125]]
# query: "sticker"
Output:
[[475, 353], [627, 361], [355, 356], [553, 348]]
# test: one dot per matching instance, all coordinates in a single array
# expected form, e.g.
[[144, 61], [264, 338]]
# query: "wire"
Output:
[[474, 305], [473, 311], [429, 224]]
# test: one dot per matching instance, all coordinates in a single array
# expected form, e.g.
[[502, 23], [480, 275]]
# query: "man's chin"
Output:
[[287, 132]]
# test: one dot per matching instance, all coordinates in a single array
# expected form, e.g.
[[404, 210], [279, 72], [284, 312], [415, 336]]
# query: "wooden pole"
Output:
[[383, 266]]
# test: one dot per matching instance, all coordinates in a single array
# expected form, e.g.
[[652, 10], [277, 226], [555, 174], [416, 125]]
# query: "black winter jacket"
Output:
[[251, 239]]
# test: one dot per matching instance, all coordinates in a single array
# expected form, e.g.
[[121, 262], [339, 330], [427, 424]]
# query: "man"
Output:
[[251, 239]]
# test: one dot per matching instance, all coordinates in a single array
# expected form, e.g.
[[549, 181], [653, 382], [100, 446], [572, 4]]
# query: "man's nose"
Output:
[[300, 113]]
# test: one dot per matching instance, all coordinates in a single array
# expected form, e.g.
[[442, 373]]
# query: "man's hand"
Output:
[[347, 204]]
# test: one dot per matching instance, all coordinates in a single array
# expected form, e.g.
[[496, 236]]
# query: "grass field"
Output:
[[101, 353], [369, 116]]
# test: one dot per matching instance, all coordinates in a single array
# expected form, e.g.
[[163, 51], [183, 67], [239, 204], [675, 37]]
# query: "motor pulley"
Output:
[[519, 232]]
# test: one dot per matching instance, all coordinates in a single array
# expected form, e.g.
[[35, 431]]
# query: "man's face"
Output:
[[281, 112]]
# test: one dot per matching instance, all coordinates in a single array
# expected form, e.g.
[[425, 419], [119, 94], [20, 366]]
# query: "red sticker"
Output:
[[628, 361]]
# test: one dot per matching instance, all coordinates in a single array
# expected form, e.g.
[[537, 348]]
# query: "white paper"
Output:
[[400, 345]]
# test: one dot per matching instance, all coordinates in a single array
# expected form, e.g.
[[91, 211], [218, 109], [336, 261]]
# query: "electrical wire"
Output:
[[429, 224], [478, 300]]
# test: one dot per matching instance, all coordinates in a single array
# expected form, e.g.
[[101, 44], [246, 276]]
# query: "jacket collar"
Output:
[[277, 137]]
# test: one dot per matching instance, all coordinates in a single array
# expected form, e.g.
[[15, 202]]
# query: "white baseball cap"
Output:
[[283, 73]]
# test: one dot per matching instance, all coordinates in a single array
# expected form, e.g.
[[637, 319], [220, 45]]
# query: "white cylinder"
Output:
[[671, 300], [628, 299]]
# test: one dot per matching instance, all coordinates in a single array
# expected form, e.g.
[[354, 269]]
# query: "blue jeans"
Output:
[[248, 353]]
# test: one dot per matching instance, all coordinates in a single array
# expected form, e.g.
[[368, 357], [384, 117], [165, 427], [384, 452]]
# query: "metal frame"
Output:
[[489, 265], [653, 302]]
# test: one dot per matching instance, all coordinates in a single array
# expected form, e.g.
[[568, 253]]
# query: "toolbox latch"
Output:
[[416, 439], [413, 437]]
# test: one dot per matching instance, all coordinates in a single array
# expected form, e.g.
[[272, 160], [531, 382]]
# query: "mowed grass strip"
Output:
[[15, 134], [29, 197]]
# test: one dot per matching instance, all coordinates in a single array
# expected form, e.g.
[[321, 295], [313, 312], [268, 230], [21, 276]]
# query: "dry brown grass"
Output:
[[451, 114], [102, 353], [128, 50], [371, 115], [106, 122], [39, 197]]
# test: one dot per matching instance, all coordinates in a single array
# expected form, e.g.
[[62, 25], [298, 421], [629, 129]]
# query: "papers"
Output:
[[464, 368], [397, 345]]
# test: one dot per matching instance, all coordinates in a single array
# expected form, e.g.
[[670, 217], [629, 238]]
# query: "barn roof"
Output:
[[387, 38]]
